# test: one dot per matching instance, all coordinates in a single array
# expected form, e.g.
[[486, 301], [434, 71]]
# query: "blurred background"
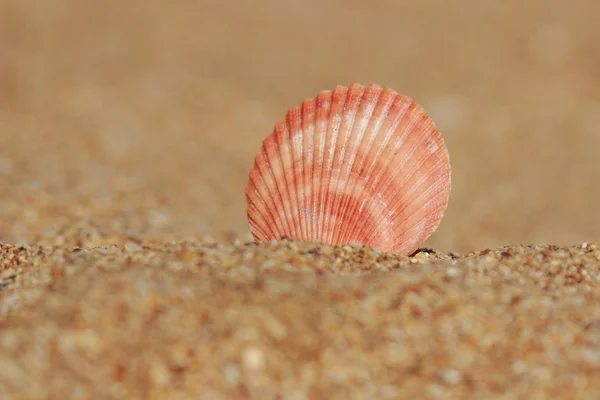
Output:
[[128, 120]]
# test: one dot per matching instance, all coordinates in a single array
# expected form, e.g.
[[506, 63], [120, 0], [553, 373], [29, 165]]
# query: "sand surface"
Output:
[[127, 130]]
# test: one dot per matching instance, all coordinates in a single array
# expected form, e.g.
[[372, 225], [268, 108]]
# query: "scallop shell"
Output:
[[360, 164]]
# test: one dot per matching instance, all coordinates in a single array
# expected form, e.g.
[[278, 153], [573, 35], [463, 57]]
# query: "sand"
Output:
[[299, 320], [127, 130]]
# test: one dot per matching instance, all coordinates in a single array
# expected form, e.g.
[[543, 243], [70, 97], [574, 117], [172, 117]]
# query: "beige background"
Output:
[[143, 117]]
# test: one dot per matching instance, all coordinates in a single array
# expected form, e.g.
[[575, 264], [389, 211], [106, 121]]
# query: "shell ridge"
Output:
[[352, 219], [288, 155], [307, 160], [397, 162], [269, 184], [338, 99], [392, 117], [430, 225], [399, 190], [263, 223], [413, 153], [429, 190], [408, 168], [320, 137], [355, 137], [380, 181], [338, 154], [405, 210], [424, 166], [348, 120], [280, 194], [254, 225], [333, 128], [281, 136], [366, 219], [322, 111], [295, 134], [258, 232], [400, 208], [309, 131], [362, 121], [376, 123]]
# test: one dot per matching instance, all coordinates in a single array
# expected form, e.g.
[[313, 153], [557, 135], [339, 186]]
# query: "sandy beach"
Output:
[[127, 270]]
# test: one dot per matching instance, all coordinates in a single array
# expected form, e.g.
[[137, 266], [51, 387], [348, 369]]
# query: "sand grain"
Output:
[[299, 319]]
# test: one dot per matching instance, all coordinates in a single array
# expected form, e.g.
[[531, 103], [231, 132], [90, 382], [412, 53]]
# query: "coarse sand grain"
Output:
[[298, 320]]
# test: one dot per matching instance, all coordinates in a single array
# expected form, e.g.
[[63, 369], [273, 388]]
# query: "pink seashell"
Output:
[[358, 164]]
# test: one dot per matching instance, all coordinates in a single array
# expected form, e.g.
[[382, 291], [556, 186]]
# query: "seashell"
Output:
[[360, 164]]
